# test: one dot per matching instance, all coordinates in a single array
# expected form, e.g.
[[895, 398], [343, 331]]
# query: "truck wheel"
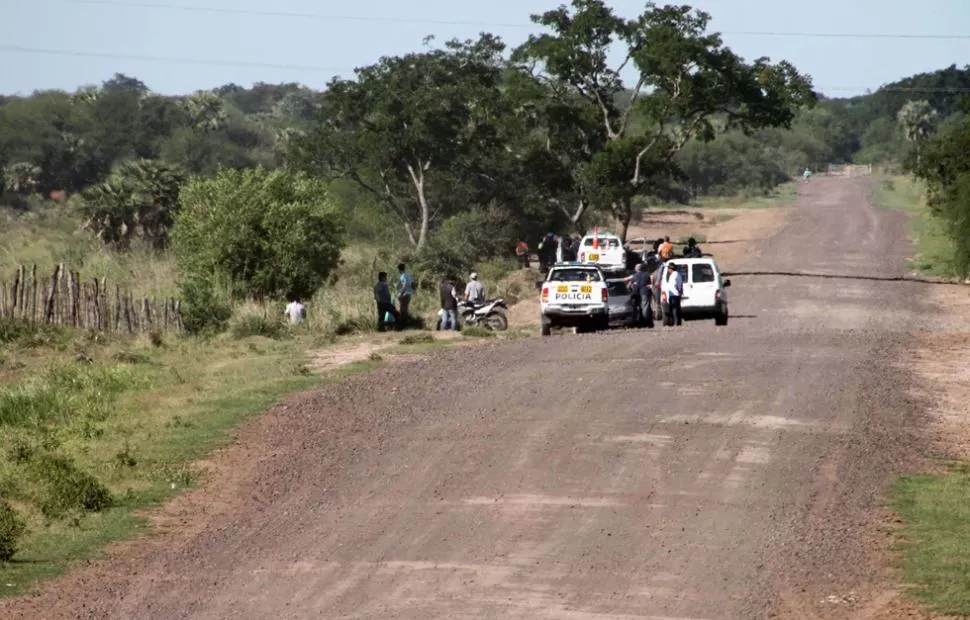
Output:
[[545, 327]]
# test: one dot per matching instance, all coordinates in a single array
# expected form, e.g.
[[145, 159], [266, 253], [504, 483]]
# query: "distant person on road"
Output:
[[673, 286], [295, 311], [475, 291], [385, 307], [405, 288], [449, 304], [807, 174]]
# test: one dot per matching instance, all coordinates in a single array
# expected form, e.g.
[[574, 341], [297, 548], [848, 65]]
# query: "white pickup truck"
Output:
[[574, 295], [607, 252]]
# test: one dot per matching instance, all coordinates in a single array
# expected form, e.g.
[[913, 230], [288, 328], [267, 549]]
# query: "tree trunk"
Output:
[[575, 217], [417, 177], [623, 214]]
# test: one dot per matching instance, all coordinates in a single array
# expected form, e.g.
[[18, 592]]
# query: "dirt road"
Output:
[[694, 473]]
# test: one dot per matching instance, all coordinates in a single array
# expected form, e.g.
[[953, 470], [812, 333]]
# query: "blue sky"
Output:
[[344, 35]]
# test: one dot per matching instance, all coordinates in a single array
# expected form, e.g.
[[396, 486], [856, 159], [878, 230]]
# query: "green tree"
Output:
[[268, 233], [945, 167], [139, 200], [206, 111], [685, 78], [415, 131], [917, 120], [21, 178]]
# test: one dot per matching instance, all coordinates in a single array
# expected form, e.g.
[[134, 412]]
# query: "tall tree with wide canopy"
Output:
[[685, 78], [416, 131]]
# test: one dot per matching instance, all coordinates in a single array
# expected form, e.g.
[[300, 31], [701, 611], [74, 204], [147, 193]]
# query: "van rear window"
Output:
[[702, 272], [604, 242]]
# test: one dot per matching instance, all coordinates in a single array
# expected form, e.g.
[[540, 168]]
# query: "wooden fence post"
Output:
[[52, 297]]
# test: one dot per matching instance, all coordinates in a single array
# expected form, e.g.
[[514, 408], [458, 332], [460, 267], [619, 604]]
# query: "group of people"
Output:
[[642, 282], [398, 317], [552, 249], [449, 297], [387, 314]]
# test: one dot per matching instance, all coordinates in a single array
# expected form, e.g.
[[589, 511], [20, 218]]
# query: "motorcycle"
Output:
[[490, 315]]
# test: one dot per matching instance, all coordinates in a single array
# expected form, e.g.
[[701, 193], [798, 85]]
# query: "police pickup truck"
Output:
[[574, 295]]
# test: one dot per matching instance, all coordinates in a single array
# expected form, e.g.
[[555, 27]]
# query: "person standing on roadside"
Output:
[[385, 307], [295, 311], [449, 304], [475, 291], [639, 285], [522, 253], [673, 286], [405, 288]]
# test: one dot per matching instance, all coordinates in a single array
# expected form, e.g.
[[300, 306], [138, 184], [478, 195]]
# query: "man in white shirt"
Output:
[[673, 286], [295, 311]]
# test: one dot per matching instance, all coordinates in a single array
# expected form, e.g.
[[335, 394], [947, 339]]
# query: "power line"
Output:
[[347, 71], [187, 61], [402, 20]]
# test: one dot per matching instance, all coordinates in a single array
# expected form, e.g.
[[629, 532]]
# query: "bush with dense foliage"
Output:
[[267, 233]]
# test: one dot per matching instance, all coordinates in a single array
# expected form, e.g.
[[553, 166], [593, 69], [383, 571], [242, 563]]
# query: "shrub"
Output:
[[412, 339], [251, 324], [67, 489], [203, 311], [270, 233], [12, 528], [476, 331], [27, 335]]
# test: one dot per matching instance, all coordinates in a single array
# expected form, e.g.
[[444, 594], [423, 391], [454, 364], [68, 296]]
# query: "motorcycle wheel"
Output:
[[496, 321]]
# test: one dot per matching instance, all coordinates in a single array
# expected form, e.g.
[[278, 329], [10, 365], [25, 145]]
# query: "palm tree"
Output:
[[20, 178], [155, 187], [86, 94], [206, 110], [108, 213], [138, 199], [917, 120]]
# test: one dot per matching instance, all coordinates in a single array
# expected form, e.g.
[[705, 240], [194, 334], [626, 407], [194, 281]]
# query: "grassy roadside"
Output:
[[934, 547], [124, 420], [782, 195], [935, 538], [934, 249]]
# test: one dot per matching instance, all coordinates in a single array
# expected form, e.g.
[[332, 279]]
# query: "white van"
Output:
[[704, 289], [609, 255]]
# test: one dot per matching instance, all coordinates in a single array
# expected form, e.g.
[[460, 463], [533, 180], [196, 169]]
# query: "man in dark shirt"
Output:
[[385, 307], [449, 304], [639, 284]]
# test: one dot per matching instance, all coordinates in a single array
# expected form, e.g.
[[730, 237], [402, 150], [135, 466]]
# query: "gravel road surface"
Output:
[[692, 473]]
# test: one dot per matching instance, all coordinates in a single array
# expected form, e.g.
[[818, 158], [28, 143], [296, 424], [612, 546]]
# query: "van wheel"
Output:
[[722, 318]]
